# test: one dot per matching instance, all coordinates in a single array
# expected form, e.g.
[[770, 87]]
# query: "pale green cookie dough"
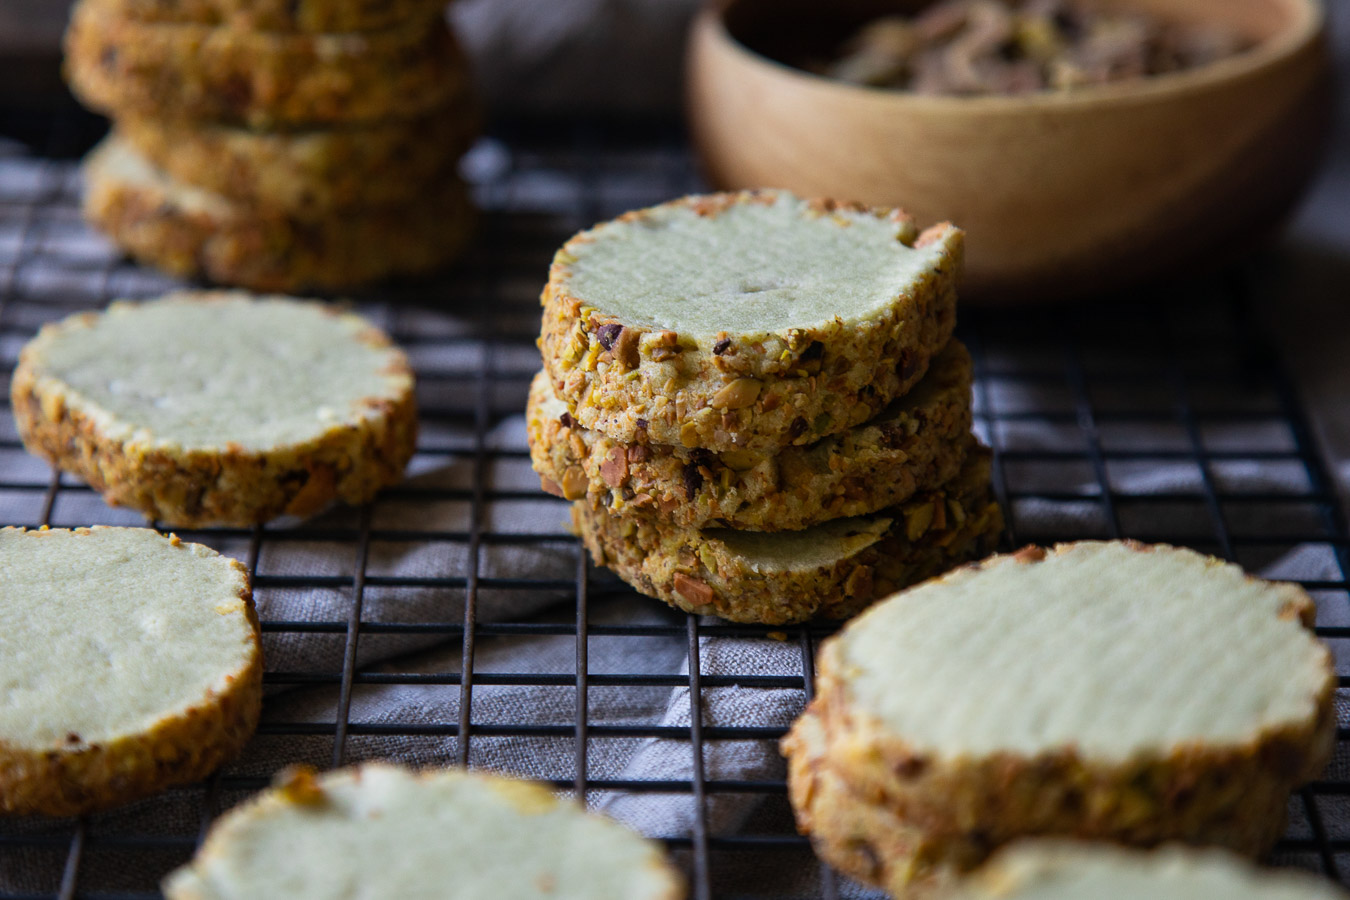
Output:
[[129, 661], [1119, 668], [1052, 870], [378, 831], [762, 268], [746, 321], [184, 372], [108, 607], [219, 407]]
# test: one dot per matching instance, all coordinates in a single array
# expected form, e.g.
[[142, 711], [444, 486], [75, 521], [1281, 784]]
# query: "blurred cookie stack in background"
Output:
[[276, 144]]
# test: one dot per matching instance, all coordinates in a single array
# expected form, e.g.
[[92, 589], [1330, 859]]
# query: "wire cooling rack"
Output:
[[1164, 418]]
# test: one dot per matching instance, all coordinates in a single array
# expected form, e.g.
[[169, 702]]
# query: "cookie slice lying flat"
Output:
[[1115, 691], [1053, 870], [129, 662], [191, 232], [378, 831], [829, 571], [117, 66], [917, 443], [746, 321], [279, 15], [309, 173], [217, 407]]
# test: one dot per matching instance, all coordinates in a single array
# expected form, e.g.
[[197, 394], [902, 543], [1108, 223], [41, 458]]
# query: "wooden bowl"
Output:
[[1061, 194]]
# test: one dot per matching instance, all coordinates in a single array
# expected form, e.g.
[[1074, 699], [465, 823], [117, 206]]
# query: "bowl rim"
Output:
[[1308, 27]]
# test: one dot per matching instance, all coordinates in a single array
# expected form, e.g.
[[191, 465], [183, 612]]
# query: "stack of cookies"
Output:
[[1103, 691], [756, 405], [276, 144]]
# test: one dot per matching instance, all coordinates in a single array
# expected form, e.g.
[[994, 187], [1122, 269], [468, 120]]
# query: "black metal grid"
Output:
[[1082, 406]]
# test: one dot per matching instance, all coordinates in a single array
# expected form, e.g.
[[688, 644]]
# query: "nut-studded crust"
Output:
[[697, 572], [120, 66], [1033, 869], [193, 487], [279, 15], [180, 748], [756, 392], [910, 822], [160, 222], [310, 173], [917, 444]]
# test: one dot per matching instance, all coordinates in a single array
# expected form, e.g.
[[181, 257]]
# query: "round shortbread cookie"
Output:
[[745, 321], [279, 15], [917, 443], [219, 408], [828, 571], [378, 831], [129, 662], [309, 173], [1064, 870], [1115, 690], [121, 66], [194, 233]]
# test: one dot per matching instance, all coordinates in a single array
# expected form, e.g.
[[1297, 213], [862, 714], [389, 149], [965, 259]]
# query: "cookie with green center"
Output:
[[745, 321], [829, 571], [279, 15], [381, 831], [917, 443], [195, 233], [1065, 870], [121, 66], [219, 408], [129, 662], [1104, 690]]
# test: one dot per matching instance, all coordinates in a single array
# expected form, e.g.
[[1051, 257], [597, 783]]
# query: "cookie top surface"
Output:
[[1112, 648], [381, 831], [747, 264], [219, 370], [105, 631], [1054, 870]]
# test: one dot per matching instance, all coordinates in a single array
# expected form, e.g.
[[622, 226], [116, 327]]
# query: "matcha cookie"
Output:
[[745, 321], [917, 443], [379, 831], [194, 233], [830, 571], [309, 173], [129, 662], [218, 408], [1113, 691], [120, 66]]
